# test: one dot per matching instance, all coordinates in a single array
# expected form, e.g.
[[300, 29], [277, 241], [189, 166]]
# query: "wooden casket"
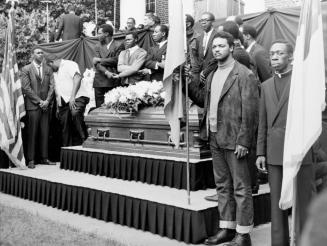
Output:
[[145, 132]]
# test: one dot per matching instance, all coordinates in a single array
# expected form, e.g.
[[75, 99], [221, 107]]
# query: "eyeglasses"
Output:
[[277, 52], [205, 20]]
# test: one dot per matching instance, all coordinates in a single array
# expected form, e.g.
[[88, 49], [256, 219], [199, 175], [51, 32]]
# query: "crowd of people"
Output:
[[242, 88]]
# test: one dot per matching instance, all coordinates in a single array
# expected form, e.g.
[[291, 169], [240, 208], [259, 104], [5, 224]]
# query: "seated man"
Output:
[[72, 97], [130, 61], [155, 60]]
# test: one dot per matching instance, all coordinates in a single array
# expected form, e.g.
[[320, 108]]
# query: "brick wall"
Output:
[[117, 20], [162, 10], [281, 3]]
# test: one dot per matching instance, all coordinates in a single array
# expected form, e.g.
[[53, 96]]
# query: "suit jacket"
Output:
[[35, 88], [109, 60], [272, 124], [155, 55], [262, 62], [70, 26], [237, 107], [129, 65], [203, 58]]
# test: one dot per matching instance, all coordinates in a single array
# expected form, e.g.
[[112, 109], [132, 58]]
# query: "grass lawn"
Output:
[[19, 228]]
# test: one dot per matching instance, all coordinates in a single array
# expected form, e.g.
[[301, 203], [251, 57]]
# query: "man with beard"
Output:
[[105, 62], [155, 60], [229, 98], [38, 87]]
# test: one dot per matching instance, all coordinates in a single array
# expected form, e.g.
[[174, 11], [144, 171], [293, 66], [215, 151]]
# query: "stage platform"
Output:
[[151, 169], [159, 209]]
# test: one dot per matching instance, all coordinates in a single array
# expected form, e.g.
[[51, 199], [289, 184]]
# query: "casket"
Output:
[[145, 132]]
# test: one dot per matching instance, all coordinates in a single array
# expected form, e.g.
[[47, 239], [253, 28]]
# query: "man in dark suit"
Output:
[[154, 64], [204, 43], [257, 52], [105, 62], [270, 144], [70, 25], [38, 88], [229, 98]]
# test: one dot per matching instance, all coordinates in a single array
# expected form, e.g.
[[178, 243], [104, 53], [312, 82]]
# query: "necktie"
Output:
[[128, 54], [39, 71]]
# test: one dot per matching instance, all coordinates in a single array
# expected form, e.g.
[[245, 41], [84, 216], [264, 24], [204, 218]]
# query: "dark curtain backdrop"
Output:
[[82, 50]]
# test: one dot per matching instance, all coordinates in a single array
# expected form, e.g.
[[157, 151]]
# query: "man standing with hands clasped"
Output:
[[229, 98], [38, 88]]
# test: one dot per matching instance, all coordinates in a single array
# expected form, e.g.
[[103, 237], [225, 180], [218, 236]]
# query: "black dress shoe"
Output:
[[212, 198], [47, 162], [222, 236], [31, 164], [240, 240]]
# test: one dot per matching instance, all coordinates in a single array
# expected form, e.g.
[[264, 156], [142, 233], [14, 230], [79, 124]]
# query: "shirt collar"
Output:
[[282, 75], [162, 43], [108, 45], [250, 46], [208, 33], [37, 65], [133, 49]]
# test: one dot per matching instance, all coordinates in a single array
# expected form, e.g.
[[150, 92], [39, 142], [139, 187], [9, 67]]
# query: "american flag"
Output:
[[12, 107]]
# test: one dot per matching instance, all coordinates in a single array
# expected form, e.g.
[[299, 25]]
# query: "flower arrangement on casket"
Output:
[[135, 97]]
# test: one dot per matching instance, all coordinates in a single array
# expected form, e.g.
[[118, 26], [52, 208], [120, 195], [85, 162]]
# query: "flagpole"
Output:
[[187, 138], [293, 229]]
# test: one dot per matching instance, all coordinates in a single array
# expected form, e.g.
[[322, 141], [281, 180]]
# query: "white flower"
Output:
[[88, 28], [123, 99]]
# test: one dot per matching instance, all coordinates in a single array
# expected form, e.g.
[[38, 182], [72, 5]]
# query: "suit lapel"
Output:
[[201, 45], [252, 50], [210, 41], [283, 99], [105, 51], [229, 81]]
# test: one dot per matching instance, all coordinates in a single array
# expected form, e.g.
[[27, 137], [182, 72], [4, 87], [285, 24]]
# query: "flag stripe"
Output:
[[12, 107]]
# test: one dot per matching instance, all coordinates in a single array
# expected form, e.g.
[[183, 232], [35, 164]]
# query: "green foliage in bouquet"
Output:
[[135, 97]]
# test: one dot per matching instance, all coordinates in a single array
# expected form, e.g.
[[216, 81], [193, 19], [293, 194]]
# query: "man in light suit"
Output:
[[229, 98], [270, 144], [257, 52], [203, 49], [155, 60], [105, 62], [38, 88], [70, 25], [130, 61]]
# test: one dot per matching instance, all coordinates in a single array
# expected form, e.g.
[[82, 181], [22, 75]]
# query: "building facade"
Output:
[[282, 3], [138, 8]]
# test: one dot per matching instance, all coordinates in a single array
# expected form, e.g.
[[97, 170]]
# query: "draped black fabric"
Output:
[[82, 50], [169, 221], [276, 24], [173, 222], [147, 170]]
